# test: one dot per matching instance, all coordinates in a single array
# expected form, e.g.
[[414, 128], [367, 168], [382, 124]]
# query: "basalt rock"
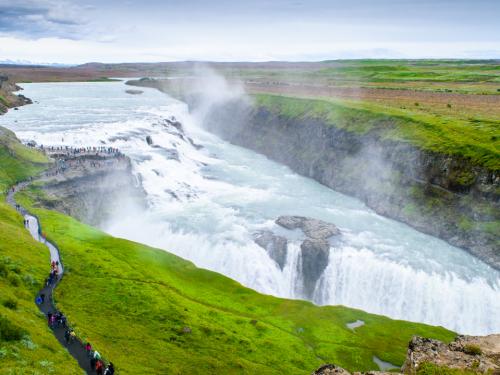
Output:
[[276, 246], [312, 228], [315, 254], [149, 140]]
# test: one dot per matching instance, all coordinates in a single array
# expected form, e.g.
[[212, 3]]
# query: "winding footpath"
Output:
[[76, 348]]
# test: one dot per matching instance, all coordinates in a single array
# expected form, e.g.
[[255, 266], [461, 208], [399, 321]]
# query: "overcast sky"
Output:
[[73, 31]]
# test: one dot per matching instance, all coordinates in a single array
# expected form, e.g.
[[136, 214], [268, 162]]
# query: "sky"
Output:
[[72, 32]]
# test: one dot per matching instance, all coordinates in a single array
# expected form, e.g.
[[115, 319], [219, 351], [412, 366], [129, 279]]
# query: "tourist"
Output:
[[110, 370], [99, 367], [72, 335], [38, 300], [88, 349], [67, 336], [92, 362]]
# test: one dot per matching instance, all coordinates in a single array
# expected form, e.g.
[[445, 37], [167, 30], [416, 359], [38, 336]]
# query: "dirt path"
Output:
[[75, 347]]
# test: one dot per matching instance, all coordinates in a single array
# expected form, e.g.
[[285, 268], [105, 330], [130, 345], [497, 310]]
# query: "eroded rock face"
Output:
[[315, 255], [275, 245], [312, 228], [475, 353]]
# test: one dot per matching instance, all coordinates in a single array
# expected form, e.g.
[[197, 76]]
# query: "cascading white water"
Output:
[[207, 205]]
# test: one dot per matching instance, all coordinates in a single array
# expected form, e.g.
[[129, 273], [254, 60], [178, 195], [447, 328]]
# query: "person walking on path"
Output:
[[88, 349], [67, 336], [99, 367], [110, 370]]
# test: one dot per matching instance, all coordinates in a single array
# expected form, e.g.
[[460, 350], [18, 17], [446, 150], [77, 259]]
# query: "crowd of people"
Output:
[[89, 150], [58, 320]]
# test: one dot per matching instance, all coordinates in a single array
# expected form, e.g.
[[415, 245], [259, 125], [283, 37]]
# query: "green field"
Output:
[[149, 311]]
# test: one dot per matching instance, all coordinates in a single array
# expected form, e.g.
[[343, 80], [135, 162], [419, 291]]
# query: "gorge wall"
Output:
[[91, 188], [446, 196]]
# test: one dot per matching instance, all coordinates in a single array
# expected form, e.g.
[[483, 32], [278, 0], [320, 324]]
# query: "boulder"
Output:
[[149, 140], [315, 255], [276, 246], [331, 370], [312, 228]]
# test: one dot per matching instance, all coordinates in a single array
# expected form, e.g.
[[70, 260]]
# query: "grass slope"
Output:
[[476, 140], [27, 346], [134, 302]]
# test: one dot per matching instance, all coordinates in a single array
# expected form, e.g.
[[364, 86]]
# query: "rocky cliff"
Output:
[[447, 196], [91, 188], [7, 98]]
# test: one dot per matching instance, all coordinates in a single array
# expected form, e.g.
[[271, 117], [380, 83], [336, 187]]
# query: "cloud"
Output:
[[42, 18]]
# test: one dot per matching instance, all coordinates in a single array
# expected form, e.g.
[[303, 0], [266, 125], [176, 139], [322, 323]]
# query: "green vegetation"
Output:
[[16, 161], [474, 140], [27, 346], [427, 368], [472, 349], [142, 302]]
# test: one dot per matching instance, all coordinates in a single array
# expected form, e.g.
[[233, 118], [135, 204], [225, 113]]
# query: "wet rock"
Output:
[[149, 140], [196, 146], [172, 153], [134, 92], [312, 228], [276, 246], [176, 124], [315, 255]]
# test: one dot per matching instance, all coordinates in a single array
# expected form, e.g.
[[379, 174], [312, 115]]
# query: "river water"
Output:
[[206, 206]]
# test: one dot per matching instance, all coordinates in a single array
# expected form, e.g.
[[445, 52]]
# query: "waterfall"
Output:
[[206, 204]]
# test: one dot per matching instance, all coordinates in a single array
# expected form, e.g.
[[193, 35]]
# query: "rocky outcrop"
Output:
[[275, 245], [315, 254], [312, 228], [7, 98], [471, 354], [475, 353], [92, 188], [331, 370], [315, 248], [442, 195]]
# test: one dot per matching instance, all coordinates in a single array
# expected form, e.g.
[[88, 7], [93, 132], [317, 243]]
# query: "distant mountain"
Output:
[[31, 63]]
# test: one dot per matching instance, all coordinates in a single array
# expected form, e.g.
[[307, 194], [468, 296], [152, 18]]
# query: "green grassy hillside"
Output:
[[136, 304], [27, 346], [151, 312]]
